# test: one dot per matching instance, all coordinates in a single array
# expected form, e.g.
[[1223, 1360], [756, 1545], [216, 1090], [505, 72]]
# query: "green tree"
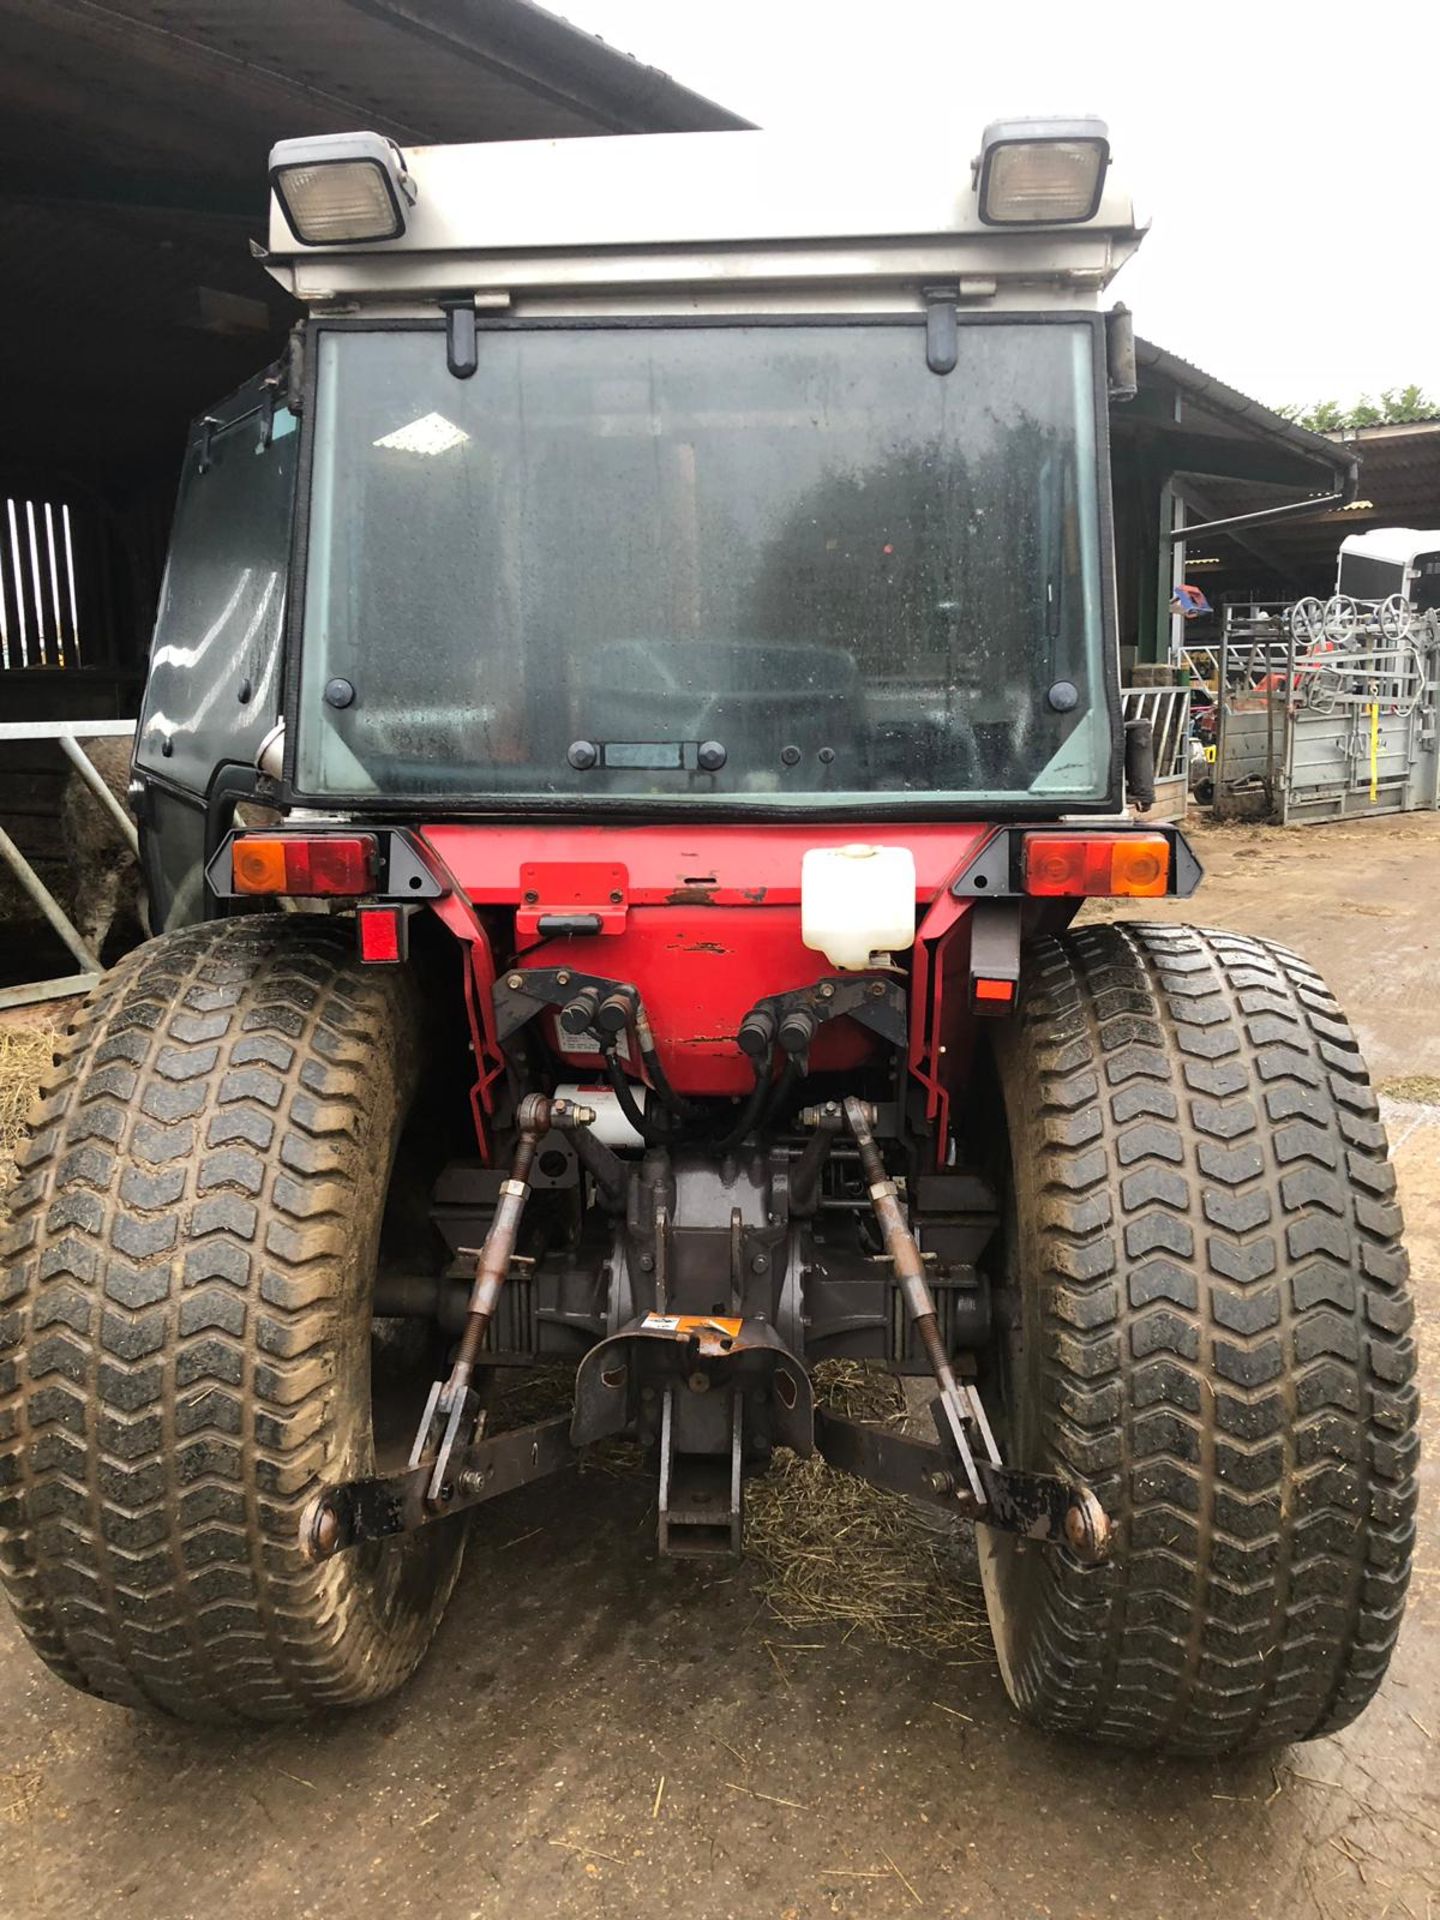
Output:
[[1395, 407]]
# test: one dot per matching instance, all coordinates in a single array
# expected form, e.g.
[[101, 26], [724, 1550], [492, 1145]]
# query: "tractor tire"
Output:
[[1208, 1317], [185, 1331]]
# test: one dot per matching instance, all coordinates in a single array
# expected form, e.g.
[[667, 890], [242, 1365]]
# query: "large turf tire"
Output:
[[1210, 1328], [185, 1330]]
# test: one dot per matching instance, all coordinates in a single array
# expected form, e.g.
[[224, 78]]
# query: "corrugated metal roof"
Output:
[[1215, 397], [1415, 431], [1399, 486]]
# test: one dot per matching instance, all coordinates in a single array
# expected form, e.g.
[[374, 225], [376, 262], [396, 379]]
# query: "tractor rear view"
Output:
[[633, 719]]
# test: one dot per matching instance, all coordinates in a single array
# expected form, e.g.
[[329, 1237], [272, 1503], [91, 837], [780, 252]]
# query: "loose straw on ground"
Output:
[[24, 1061], [826, 1549], [832, 1550], [25, 1057]]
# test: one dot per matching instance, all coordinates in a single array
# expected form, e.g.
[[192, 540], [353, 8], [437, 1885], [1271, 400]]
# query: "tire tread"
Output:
[[179, 1317], [1224, 1341]]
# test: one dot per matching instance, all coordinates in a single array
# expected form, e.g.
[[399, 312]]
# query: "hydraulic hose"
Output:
[[652, 1132], [623, 1012], [749, 1115], [782, 1100], [654, 1066]]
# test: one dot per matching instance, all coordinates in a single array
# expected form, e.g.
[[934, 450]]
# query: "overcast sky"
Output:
[[1285, 152]]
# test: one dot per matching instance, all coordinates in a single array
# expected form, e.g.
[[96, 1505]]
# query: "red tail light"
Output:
[[331, 863], [1133, 864]]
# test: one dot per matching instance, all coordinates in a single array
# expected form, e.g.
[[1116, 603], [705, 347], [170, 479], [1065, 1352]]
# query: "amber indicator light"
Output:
[[1135, 864], [330, 863]]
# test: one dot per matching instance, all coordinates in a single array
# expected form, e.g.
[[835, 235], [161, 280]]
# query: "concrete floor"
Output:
[[518, 1775]]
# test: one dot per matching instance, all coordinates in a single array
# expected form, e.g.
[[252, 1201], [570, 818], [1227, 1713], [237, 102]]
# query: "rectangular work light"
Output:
[[341, 187], [1042, 173]]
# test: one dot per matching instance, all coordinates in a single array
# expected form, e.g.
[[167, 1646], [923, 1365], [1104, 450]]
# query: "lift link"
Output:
[[453, 1407], [960, 1407]]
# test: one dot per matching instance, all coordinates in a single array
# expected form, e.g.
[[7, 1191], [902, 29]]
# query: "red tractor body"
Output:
[[705, 924]]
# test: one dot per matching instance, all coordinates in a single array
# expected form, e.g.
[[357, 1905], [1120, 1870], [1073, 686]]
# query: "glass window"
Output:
[[214, 686], [615, 551]]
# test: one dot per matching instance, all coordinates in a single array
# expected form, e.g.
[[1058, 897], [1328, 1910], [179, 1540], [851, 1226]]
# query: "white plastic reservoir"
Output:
[[857, 903]]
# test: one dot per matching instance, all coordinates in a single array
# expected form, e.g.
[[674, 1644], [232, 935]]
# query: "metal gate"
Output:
[[67, 734], [1325, 712], [1168, 711]]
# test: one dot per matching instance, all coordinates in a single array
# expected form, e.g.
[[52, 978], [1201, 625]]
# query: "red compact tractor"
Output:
[[633, 719]]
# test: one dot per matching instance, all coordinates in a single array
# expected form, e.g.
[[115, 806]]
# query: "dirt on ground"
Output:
[[596, 1734]]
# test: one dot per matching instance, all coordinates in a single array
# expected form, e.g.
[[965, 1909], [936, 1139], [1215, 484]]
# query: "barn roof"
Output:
[[133, 144], [1398, 486]]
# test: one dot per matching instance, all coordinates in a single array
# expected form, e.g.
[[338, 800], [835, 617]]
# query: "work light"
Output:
[[1042, 173], [341, 187]]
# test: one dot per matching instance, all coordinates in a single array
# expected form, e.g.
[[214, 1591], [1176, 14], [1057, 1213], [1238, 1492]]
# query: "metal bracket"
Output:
[[1037, 1506], [988, 875], [942, 329], [875, 1003], [524, 992], [994, 956], [554, 894], [1040, 1506], [407, 877], [660, 1348], [344, 1516], [462, 348], [269, 400], [701, 1499], [450, 1411], [292, 363], [1123, 373], [1185, 866]]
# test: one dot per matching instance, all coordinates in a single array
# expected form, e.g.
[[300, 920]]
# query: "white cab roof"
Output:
[[667, 189], [1398, 545], [701, 208]]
